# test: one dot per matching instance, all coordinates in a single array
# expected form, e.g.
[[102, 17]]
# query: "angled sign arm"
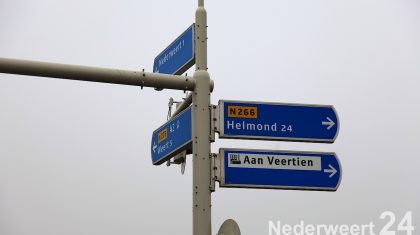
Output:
[[96, 74]]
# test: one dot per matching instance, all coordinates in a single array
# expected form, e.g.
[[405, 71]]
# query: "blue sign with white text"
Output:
[[172, 138], [179, 56], [244, 168], [277, 121]]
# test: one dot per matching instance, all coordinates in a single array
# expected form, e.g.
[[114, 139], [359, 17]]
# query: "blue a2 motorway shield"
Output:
[[278, 121], [172, 138], [246, 168], [179, 56]]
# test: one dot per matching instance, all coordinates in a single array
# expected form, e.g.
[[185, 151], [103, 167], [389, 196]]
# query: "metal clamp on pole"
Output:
[[215, 171], [215, 122]]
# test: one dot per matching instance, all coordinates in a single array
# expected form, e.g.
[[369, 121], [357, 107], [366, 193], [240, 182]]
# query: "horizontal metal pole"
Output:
[[96, 74], [187, 101], [185, 104]]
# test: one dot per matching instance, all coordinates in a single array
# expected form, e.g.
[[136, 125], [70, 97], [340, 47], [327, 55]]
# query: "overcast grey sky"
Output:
[[74, 156]]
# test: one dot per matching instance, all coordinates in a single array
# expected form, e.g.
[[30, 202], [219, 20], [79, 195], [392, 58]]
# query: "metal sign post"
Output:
[[201, 130], [193, 127]]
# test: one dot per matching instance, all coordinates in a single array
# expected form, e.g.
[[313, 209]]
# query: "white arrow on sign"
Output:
[[154, 146], [330, 123], [331, 170]]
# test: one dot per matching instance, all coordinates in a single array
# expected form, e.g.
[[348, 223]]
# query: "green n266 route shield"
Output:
[[277, 121]]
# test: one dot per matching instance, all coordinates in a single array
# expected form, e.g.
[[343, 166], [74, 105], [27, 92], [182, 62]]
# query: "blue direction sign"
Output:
[[172, 138], [244, 168], [179, 56], [277, 121]]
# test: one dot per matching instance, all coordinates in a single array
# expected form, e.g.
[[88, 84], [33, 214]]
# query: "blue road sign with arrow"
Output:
[[172, 138], [245, 168], [179, 56], [277, 121]]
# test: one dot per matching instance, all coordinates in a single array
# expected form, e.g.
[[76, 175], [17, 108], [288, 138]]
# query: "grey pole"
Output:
[[95, 74], [201, 130]]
